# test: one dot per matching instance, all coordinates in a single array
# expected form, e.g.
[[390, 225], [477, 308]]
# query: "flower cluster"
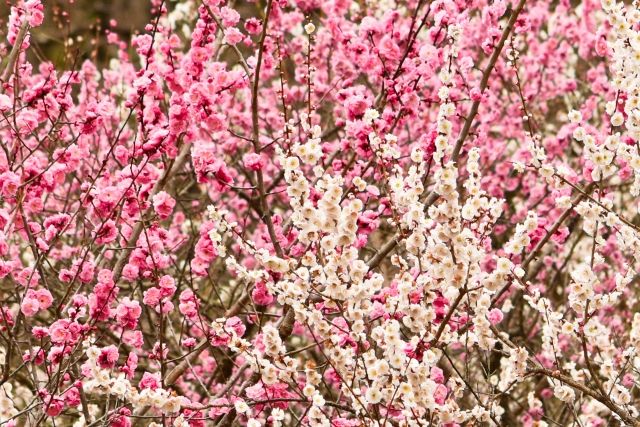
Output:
[[325, 213]]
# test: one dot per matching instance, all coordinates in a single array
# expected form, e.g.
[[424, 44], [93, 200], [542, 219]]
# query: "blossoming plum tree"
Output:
[[327, 213]]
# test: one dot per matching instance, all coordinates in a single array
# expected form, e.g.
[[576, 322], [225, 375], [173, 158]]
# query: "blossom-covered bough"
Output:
[[325, 212]]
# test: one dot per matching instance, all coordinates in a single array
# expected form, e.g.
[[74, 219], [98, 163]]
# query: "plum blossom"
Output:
[[324, 213]]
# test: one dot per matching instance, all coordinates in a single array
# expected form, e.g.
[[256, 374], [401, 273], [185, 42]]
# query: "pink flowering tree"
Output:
[[325, 212]]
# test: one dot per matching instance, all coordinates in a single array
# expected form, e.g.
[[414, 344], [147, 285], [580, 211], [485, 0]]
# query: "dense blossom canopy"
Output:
[[327, 213]]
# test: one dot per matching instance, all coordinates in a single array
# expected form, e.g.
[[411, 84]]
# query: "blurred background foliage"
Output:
[[74, 30]]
